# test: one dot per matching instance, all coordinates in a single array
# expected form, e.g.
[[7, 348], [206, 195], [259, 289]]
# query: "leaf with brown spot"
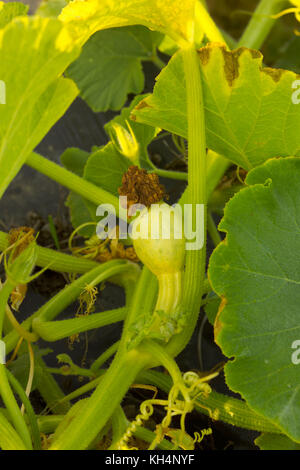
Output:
[[218, 323], [250, 116], [258, 274]]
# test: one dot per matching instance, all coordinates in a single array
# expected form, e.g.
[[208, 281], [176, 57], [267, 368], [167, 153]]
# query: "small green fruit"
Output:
[[158, 239]]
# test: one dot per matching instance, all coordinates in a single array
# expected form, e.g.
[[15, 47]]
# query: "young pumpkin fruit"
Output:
[[158, 239], [159, 243]]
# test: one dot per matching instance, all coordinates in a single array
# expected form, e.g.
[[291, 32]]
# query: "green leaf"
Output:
[[8, 11], [249, 112], [276, 442], [176, 19], [35, 95], [256, 272], [105, 168], [74, 159], [81, 210], [110, 67]]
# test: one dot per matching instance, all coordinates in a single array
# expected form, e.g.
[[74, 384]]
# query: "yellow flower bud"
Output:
[[125, 141]]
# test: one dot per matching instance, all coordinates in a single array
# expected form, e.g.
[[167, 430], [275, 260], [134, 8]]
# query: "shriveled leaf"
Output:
[[276, 442], [85, 17], [110, 67], [256, 272], [8, 11], [34, 52], [249, 112]]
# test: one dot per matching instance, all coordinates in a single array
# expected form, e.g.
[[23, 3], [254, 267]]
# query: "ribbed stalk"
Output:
[[55, 330], [71, 181], [218, 406], [197, 194], [59, 262], [9, 438], [101, 405], [261, 23]]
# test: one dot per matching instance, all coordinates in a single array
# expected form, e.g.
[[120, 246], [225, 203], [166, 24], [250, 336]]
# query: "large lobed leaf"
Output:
[[249, 112], [85, 17], [34, 52], [256, 271], [110, 66]]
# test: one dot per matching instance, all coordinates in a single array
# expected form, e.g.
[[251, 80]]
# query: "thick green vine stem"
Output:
[[59, 302], [141, 303], [216, 405], [55, 330], [206, 23], [197, 194], [73, 182], [59, 262], [13, 408], [9, 438], [163, 358], [100, 406], [30, 414], [113, 385], [261, 23], [5, 390]]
